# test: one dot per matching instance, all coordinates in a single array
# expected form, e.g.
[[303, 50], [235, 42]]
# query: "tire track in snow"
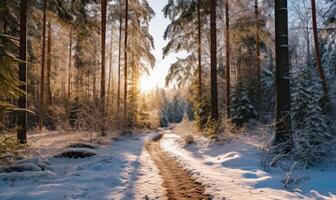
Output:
[[179, 184]]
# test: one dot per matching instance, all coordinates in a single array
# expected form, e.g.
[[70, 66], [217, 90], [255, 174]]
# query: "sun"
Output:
[[147, 83]]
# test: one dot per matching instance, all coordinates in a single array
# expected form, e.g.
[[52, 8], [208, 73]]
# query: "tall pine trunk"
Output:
[[283, 118], [5, 19], [119, 59], [258, 61], [69, 73], [317, 51], [43, 65], [228, 59], [22, 103], [125, 66], [109, 92], [213, 52], [103, 51], [49, 95], [199, 50]]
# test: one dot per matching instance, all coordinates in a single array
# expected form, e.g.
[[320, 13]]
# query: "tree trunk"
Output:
[[22, 103], [103, 51], [213, 52], [4, 19], [283, 118], [317, 51], [125, 66], [258, 61], [199, 50], [69, 73], [43, 65], [228, 59], [49, 95], [109, 92], [119, 60]]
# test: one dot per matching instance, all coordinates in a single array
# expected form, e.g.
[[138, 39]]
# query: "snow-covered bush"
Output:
[[76, 153], [188, 139], [241, 107], [9, 147], [311, 137]]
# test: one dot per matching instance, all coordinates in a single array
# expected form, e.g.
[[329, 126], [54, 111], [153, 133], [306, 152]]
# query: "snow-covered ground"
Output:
[[123, 169], [234, 170], [120, 170]]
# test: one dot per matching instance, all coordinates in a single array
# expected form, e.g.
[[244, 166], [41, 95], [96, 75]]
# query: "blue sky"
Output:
[[157, 28]]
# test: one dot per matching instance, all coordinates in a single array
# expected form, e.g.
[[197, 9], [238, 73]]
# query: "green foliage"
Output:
[[9, 82], [212, 128], [8, 143], [312, 140], [241, 107], [202, 110]]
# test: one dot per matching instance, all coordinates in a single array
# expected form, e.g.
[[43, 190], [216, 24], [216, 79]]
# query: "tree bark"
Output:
[[125, 66], [258, 61], [49, 95], [103, 51], [43, 65], [119, 59], [228, 59], [317, 51], [69, 73], [22, 103], [109, 92], [213, 52], [283, 118], [199, 50]]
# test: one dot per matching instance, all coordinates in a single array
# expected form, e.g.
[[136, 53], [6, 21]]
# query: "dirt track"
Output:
[[178, 183]]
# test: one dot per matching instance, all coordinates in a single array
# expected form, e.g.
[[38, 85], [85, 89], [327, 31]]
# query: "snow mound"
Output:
[[36, 161], [21, 167], [27, 175], [76, 153], [82, 145], [153, 137]]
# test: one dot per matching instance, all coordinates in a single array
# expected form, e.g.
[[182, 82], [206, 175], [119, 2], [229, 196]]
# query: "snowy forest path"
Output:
[[178, 183]]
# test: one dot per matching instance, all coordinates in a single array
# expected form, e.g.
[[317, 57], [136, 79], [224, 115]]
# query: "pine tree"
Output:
[[138, 58], [312, 139], [241, 108], [188, 19]]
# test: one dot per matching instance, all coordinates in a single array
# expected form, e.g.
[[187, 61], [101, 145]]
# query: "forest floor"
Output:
[[178, 183], [159, 165]]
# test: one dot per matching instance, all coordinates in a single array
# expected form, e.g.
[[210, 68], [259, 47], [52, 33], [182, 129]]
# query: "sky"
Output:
[[157, 27]]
